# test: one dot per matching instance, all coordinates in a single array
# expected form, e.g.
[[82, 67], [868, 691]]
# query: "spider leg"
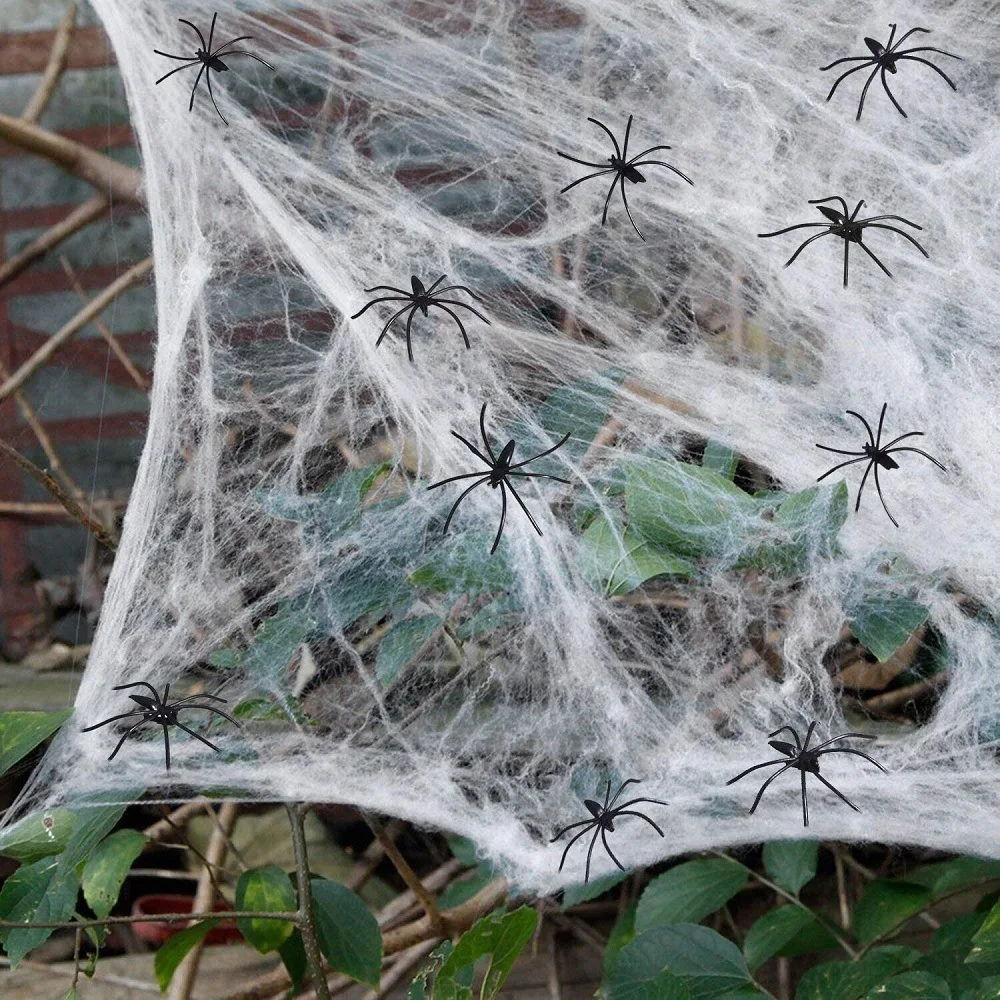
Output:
[[878, 489], [898, 218], [632, 802], [590, 851], [902, 38], [572, 826], [846, 59], [216, 711], [486, 440], [926, 48], [853, 69], [475, 451], [763, 788], [901, 437], [166, 744], [211, 697], [389, 288], [464, 288], [384, 298], [607, 201], [427, 291], [629, 812], [645, 152], [621, 788], [607, 795], [607, 847], [539, 475], [208, 78], [840, 795], [871, 437], [795, 735], [801, 225], [135, 684], [525, 509], [838, 451], [542, 454], [611, 134], [847, 258], [455, 302], [857, 208], [864, 92], [893, 229], [858, 753], [842, 464], [194, 89], [584, 163], [232, 41], [767, 763], [589, 823], [874, 258], [125, 736], [409, 344], [812, 239], [885, 87], [201, 37], [114, 718], [919, 452], [809, 732], [805, 801], [191, 732], [503, 518], [459, 500], [621, 180], [844, 736], [836, 197], [243, 52], [211, 32], [661, 163], [452, 479], [936, 69], [878, 434], [857, 506], [393, 318], [170, 55], [628, 128], [177, 70]]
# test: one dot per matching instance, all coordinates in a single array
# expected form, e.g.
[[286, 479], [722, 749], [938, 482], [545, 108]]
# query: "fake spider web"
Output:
[[281, 548]]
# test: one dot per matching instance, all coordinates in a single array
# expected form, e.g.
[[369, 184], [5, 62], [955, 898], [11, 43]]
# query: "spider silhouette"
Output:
[[884, 58], [500, 471], [807, 761], [603, 823], [622, 168], [210, 60], [421, 298], [849, 229], [162, 712], [877, 455]]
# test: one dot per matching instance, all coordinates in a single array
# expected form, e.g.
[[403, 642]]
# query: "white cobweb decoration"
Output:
[[380, 663]]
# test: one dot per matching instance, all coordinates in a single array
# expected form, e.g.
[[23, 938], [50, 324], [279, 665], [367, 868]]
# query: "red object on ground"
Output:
[[224, 932]]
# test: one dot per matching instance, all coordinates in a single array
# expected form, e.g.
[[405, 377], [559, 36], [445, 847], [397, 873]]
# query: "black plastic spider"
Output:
[[604, 822], [622, 168], [158, 710], [500, 471], [209, 59], [885, 57], [806, 760], [848, 228], [420, 298], [877, 455]]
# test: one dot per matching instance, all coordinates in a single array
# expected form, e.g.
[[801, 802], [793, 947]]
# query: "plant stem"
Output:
[[154, 918], [305, 917]]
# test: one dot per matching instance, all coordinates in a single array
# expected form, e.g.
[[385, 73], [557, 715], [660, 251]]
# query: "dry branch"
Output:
[[53, 71]]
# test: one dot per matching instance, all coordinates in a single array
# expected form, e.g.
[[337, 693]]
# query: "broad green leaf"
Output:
[[884, 623], [293, 956], [171, 953], [687, 509], [639, 972], [988, 989], [465, 565], [912, 986], [791, 864], [401, 643], [813, 938], [419, 986], [805, 526], [583, 891], [70, 994], [466, 887], [957, 934], [986, 941], [493, 615], [622, 934], [502, 937], [106, 868], [887, 904], [581, 409], [618, 560], [265, 890], [21, 732], [946, 876], [349, 935], [853, 980], [720, 458], [39, 835], [775, 929], [689, 892]]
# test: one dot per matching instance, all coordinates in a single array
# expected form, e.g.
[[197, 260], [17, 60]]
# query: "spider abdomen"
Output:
[[217, 64]]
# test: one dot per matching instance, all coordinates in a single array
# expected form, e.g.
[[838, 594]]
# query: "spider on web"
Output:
[[849, 229], [603, 823], [623, 169], [805, 760], [162, 712], [421, 298], [210, 60], [884, 59], [877, 455], [500, 471]]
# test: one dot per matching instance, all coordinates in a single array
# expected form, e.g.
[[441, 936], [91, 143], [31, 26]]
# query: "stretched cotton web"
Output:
[[693, 589]]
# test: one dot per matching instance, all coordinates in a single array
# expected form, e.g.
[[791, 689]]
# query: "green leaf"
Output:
[[583, 891], [465, 565], [791, 864], [495, 614], [21, 732], [466, 887], [293, 956], [986, 941], [106, 868], [988, 989], [884, 623], [687, 509], [957, 934], [887, 904], [852, 980], [401, 643], [639, 972], [720, 458], [912, 986], [171, 953], [622, 934], [689, 892], [418, 988], [265, 890], [349, 936], [804, 527], [773, 931], [619, 560], [39, 835], [946, 876], [70, 994], [502, 937]]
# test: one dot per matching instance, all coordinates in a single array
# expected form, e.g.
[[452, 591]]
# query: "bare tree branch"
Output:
[[54, 70]]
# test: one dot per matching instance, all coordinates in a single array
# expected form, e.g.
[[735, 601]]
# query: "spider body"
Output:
[[884, 59], [623, 168], [603, 823], [161, 712], [877, 455], [801, 757], [421, 298], [849, 228], [211, 60], [500, 471]]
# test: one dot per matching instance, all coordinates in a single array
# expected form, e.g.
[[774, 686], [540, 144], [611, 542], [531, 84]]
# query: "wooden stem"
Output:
[[53, 71], [307, 919]]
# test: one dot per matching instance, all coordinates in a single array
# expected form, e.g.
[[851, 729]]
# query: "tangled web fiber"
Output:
[[281, 547]]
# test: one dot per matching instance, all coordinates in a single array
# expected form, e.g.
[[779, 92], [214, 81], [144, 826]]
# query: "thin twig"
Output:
[[900, 696], [96, 977], [156, 918], [53, 71], [370, 858], [306, 917], [158, 830], [401, 968], [845, 909]]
